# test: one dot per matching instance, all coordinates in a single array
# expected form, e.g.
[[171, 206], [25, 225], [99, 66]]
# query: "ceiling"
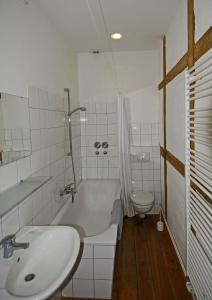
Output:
[[87, 24]]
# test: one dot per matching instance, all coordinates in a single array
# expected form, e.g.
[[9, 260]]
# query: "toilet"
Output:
[[142, 202]]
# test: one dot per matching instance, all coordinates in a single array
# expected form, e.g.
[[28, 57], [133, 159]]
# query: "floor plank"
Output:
[[147, 267]]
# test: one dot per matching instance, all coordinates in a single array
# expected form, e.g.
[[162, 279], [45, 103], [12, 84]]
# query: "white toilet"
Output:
[[142, 202]]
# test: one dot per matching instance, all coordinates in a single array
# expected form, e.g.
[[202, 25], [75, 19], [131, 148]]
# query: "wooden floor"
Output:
[[147, 267]]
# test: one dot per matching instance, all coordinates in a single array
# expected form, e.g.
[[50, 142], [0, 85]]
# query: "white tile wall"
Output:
[[49, 148], [83, 288], [99, 123], [146, 175], [103, 289]]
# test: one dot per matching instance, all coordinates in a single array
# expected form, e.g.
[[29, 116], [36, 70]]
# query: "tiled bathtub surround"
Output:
[[49, 148], [94, 276], [99, 123]]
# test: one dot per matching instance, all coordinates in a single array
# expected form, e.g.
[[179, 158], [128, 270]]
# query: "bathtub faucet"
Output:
[[69, 189]]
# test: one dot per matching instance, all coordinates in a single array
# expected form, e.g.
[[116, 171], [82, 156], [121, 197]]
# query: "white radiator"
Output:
[[199, 176]]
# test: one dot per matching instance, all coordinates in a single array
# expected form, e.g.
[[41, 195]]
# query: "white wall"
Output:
[[35, 60], [134, 73], [32, 52], [203, 13], [176, 42]]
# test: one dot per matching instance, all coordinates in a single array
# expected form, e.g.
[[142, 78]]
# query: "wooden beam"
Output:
[[176, 163], [164, 124], [173, 160], [191, 33], [200, 48], [177, 69]]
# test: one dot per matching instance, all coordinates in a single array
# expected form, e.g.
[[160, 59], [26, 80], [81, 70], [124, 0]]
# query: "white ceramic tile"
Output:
[[91, 162], [37, 202], [147, 174], [103, 289], [83, 288], [85, 269], [112, 129], [147, 165], [114, 173], [102, 173], [35, 118], [101, 129], [91, 173], [155, 128], [156, 163], [82, 128], [90, 140], [104, 251], [136, 175], [146, 128], [84, 171], [83, 151], [90, 129], [16, 134], [23, 168], [146, 139], [8, 176], [33, 97], [10, 222], [103, 268], [148, 186], [25, 212], [35, 161], [136, 139], [91, 119], [135, 128], [44, 217], [101, 108], [102, 162], [101, 119], [156, 174], [35, 139], [113, 151], [90, 107], [87, 251], [157, 186], [68, 290], [112, 119], [112, 139]]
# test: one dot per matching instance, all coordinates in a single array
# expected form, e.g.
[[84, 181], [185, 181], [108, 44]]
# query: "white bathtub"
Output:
[[91, 215]]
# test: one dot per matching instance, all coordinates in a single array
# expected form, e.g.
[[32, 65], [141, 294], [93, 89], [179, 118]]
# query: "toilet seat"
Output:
[[142, 198]]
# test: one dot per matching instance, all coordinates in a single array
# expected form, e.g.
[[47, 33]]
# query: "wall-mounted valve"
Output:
[[105, 145], [97, 145]]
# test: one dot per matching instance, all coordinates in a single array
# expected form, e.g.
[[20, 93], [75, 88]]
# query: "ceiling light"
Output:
[[116, 36]]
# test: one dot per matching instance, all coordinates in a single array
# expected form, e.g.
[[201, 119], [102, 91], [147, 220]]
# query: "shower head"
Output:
[[82, 108]]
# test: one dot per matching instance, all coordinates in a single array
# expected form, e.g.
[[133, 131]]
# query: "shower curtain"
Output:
[[124, 156]]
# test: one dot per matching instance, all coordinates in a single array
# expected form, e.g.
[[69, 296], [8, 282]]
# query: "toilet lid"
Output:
[[142, 198]]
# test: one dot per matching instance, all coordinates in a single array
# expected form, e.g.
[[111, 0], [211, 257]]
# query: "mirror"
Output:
[[15, 142]]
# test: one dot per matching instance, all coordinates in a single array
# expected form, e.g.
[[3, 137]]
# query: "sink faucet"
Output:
[[9, 245], [69, 189]]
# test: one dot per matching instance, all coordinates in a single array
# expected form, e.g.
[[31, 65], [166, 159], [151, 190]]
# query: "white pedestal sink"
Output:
[[37, 272]]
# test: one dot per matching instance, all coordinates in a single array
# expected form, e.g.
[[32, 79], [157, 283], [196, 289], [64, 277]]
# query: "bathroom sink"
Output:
[[37, 272]]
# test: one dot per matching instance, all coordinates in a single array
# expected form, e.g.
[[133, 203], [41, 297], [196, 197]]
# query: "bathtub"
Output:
[[97, 215]]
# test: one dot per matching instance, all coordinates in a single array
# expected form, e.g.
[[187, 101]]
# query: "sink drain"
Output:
[[29, 277]]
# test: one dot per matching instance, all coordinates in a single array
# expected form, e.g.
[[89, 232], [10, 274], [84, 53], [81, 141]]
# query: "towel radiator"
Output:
[[198, 107]]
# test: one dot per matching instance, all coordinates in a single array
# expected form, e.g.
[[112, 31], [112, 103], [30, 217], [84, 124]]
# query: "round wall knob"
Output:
[[105, 145], [97, 145], [104, 152], [97, 152]]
